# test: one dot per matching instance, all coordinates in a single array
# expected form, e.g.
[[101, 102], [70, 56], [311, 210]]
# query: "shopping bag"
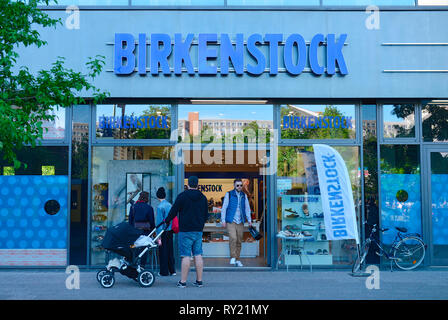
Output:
[[175, 225], [255, 234]]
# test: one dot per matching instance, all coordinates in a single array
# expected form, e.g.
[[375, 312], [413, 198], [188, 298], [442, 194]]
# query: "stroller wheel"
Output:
[[107, 280], [146, 278], [100, 274]]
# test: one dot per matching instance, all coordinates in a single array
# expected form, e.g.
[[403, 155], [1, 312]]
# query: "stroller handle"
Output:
[[157, 226]]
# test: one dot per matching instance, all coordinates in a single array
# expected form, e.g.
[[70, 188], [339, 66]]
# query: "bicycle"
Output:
[[407, 250]]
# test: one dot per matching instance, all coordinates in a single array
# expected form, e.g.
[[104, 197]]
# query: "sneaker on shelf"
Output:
[[307, 234], [198, 284], [308, 226], [308, 223], [232, 261], [181, 284], [239, 264], [319, 251], [292, 215], [292, 211]]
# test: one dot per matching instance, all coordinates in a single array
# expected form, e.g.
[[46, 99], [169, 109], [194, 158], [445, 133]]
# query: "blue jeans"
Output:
[[190, 242]]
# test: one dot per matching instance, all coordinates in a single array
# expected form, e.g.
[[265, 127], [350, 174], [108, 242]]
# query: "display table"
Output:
[[292, 246]]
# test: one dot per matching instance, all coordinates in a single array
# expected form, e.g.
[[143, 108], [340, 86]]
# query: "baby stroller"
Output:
[[131, 245]]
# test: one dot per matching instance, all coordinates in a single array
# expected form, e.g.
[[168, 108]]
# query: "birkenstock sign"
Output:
[[212, 54]]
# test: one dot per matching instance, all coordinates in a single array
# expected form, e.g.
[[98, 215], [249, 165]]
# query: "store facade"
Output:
[[244, 94]]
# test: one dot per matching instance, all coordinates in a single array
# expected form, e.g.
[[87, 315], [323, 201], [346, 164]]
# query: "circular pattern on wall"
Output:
[[52, 207]]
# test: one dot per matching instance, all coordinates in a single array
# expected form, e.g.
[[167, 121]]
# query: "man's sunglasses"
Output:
[[239, 185]]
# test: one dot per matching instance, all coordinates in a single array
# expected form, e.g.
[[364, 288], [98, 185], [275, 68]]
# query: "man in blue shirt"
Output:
[[235, 211]]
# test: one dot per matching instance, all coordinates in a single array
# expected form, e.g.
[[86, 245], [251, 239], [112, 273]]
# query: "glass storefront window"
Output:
[[368, 2], [399, 121], [90, 2], [439, 203], [400, 189], [300, 208], [177, 2], [119, 174], [34, 208], [432, 2], [273, 2], [128, 121], [435, 123], [317, 121], [55, 130], [225, 123]]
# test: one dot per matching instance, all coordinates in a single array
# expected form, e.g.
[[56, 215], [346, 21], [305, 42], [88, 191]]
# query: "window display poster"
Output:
[[126, 179], [405, 213], [135, 184], [301, 206]]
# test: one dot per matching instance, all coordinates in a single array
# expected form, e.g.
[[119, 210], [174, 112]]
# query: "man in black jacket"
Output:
[[191, 206]]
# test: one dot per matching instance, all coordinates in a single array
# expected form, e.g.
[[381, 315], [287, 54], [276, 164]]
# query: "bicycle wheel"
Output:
[[361, 257], [409, 253]]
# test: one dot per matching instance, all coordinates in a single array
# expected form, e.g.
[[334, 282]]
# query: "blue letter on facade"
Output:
[[228, 53], [182, 53], [160, 56], [257, 54], [124, 52], [142, 53], [314, 62], [273, 40], [204, 53], [334, 53], [295, 39]]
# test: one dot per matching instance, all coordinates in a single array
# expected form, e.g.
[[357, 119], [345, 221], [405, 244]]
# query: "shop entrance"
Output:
[[215, 180], [436, 205]]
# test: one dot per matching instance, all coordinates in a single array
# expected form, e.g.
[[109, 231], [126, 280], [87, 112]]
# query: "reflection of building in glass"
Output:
[[217, 127], [55, 131], [399, 128], [80, 130], [369, 128]]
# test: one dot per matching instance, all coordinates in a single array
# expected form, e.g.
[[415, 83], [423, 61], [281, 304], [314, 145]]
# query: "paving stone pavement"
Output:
[[220, 285]]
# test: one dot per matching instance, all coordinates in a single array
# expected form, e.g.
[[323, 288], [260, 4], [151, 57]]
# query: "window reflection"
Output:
[[317, 121], [435, 124], [54, 129], [126, 121], [368, 2], [225, 123], [178, 2], [399, 121], [273, 2]]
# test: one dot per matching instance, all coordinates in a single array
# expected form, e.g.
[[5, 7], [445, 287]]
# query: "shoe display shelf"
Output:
[[315, 249]]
